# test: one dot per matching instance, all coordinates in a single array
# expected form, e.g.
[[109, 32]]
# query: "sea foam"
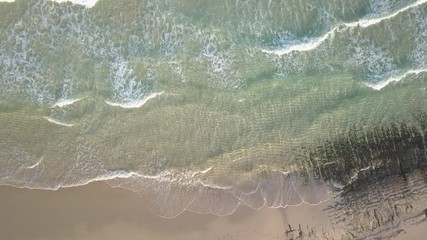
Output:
[[382, 84], [35, 164], [65, 102], [316, 42], [170, 193], [300, 47], [136, 103], [368, 22], [86, 3], [58, 122]]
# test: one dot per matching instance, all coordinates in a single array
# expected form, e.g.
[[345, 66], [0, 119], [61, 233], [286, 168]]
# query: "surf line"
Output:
[[315, 42], [368, 22], [65, 102], [382, 84], [136, 103], [58, 122]]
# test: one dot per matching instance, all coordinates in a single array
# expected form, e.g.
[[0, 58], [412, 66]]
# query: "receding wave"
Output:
[[169, 194]]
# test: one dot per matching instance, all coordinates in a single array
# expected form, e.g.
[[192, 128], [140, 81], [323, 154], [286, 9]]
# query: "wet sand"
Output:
[[418, 231], [97, 211]]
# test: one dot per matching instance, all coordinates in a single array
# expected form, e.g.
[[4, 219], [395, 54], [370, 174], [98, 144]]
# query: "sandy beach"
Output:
[[97, 211]]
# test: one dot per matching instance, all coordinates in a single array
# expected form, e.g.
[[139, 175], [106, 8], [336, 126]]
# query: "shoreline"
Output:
[[98, 211]]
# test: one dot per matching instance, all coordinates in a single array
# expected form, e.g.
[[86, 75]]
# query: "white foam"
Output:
[[58, 122], [36, 164], [314, 43], [86, 3], [135, 104], [114, 175], [382, 84], [368, 22], [190, 181], [307, 46], [65, 102]]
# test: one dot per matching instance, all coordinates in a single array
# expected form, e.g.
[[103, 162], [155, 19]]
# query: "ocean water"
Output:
[[204, 105]]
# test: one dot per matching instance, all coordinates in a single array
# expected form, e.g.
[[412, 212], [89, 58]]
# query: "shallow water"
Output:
[[202, 105]]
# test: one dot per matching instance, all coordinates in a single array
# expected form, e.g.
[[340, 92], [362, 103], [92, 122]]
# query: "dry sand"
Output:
[[96, 211]]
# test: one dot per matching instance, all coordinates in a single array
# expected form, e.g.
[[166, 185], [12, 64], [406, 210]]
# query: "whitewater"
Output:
[[86, 3]]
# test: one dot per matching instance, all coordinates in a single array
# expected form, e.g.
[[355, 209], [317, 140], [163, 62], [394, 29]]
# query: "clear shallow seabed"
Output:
[[204, 105]]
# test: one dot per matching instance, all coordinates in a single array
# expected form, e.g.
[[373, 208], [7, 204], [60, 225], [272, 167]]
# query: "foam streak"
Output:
[[382, 84], [135, 104], [65, 102], [86, 3], [36, 164], [301, 47], [58, 122]]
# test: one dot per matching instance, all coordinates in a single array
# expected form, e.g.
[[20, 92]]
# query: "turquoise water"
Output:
[[205, 105]]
